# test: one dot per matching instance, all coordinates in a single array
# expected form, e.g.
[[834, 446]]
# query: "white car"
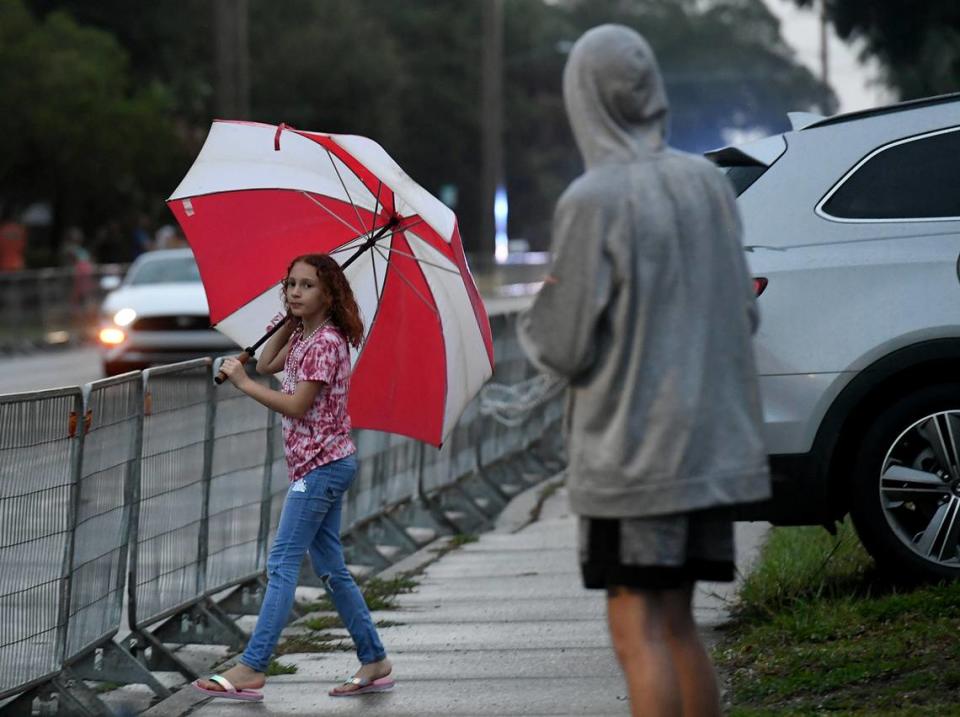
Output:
[[852, 232], [158, 315]]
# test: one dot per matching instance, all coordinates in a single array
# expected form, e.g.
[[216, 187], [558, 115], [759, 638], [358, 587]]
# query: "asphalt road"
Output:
[[54, 368]]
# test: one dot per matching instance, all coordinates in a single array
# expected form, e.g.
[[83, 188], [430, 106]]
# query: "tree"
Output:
[[407, 74], [917, 43], [73, 131], [724, 63]]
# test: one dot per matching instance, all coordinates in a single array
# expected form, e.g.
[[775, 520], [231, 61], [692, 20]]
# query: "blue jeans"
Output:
[[311, 521]]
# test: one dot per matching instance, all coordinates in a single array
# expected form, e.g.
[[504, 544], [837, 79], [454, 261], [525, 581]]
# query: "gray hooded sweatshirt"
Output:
[[649, 308]]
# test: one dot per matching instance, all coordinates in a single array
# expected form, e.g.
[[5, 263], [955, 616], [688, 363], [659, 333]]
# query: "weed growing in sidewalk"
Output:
[[461, 539], [278, 668], [545, 493], [377, 593], [316, 642], [323, 622]]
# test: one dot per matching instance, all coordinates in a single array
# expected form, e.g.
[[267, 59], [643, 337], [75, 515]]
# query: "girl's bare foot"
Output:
[[240, 676], [368, 673]]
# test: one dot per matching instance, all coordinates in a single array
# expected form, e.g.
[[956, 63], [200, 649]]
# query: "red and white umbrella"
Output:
[[258, 195]]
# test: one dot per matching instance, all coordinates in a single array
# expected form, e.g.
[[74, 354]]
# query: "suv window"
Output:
[[915, 179]]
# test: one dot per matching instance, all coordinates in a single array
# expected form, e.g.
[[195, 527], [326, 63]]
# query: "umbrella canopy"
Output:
[[259, 195]]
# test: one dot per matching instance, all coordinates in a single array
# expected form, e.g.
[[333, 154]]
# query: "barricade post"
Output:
[[167, 554], [113, 419], [241, 430], [39, 461]]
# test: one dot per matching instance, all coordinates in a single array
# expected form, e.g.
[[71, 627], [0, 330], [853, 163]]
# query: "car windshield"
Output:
[[162, 271]]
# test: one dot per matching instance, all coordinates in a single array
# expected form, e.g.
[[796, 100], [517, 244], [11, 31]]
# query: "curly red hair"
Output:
[[344, 312]]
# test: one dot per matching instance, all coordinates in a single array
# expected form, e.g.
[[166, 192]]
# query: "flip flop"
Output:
[[229, 692], [365, 686]]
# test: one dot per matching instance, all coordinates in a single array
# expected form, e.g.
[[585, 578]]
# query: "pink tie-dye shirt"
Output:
[[322, 435]]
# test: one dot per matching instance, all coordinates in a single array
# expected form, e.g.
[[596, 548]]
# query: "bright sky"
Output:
[[853, 82]]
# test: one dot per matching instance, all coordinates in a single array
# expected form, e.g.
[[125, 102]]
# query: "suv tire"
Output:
[[906, 493]]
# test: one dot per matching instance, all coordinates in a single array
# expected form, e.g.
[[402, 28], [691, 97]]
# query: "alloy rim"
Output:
[[920, 488]]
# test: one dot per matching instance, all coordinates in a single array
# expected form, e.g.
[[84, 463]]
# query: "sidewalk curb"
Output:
[[524, 508]]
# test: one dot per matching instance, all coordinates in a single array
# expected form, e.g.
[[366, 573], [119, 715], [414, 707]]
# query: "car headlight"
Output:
[[124, 317], [111, 336]]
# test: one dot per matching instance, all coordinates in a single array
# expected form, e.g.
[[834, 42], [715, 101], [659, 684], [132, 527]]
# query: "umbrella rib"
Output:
[[422, 261], [373, 225], [343, 221], [408, 283], [346, 191]]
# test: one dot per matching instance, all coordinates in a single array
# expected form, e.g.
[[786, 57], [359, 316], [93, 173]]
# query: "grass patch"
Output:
[[323, 622], [377, 593], [806, 563], [388, 623], [817, 630], [312, 643], [278, 668], [461, 539]]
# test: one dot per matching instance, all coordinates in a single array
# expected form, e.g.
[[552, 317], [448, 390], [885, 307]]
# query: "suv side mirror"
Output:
[[109, 282]]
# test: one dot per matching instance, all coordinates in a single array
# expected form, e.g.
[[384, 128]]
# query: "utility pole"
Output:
[[232, 59], [491, 124]]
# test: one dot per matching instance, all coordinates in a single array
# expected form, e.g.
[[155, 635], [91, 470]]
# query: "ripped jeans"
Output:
[[311, 521]]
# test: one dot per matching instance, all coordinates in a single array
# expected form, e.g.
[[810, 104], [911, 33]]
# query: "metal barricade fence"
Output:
[[38, 495], [167, 550], [387, 473], [236, 492], [110, 449], [279, 481], [39, 306], [456, 458], [190, 480]]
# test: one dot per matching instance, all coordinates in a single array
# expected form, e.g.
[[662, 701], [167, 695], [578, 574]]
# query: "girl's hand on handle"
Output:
[[235, 371]]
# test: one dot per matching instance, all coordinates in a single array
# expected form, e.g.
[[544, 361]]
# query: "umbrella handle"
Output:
[[242, 357]]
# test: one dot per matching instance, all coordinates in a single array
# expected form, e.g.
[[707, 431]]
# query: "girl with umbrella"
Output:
[[313, 350]]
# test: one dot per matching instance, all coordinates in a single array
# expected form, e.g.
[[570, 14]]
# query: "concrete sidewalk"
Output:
[[501, 626]]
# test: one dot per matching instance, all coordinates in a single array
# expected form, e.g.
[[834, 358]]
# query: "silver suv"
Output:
[[852, 228]]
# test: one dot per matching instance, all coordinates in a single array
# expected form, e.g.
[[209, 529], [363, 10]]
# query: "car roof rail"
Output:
[[887, 109]]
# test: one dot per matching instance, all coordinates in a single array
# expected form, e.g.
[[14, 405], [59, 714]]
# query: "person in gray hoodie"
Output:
[[648, 312]]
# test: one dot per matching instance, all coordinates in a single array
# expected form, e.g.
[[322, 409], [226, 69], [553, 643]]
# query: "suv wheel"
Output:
[[906, 497]]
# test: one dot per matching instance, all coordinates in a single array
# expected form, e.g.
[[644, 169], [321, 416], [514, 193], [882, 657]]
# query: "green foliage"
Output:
[[323, 622], [798, 564], [817, 631], [314, 642], [278, 668], [461, 539], [917, 44], [377, 593], [73, 129], [106, 103]]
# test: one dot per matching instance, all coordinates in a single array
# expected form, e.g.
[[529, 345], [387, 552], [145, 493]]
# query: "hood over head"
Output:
[[614, 96]]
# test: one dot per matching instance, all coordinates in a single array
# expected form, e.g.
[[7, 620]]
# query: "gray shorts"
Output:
[[657, 553]]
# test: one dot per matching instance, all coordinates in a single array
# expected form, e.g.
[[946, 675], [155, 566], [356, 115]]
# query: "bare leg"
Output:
[[699, 692], [638, 629]]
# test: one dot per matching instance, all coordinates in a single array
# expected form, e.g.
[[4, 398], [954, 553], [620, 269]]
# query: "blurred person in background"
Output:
[[648, 312], [13, 241], [75, 255], [140, 240]]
